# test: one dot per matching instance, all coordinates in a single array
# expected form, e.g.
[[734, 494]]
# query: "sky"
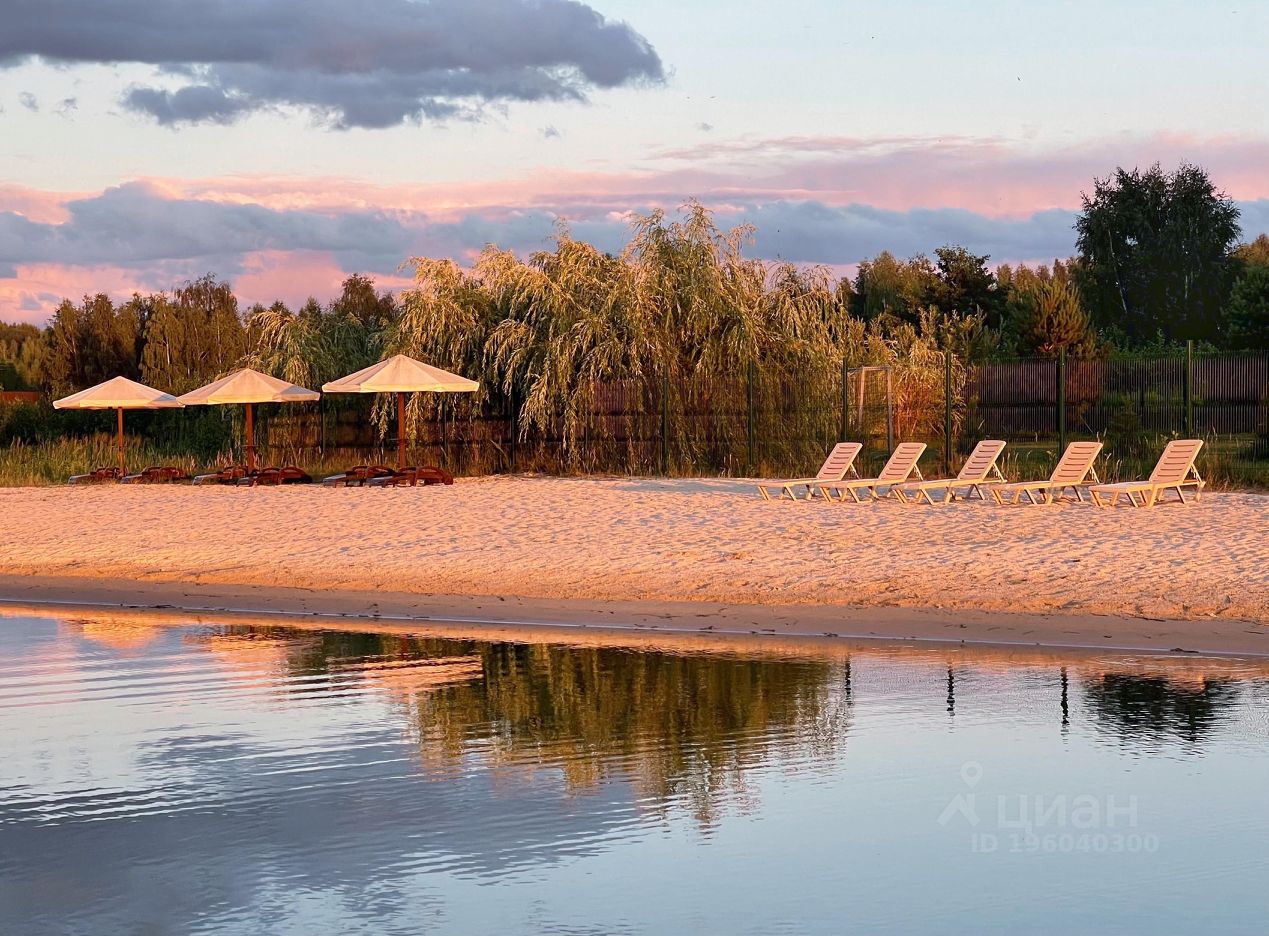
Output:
[[283, 144]]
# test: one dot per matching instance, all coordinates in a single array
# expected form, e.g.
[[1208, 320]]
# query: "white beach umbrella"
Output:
[[401, 375], [118, 393], [248, 387]]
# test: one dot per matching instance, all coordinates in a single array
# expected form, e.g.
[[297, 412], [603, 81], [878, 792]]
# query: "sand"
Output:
[[674, 554]]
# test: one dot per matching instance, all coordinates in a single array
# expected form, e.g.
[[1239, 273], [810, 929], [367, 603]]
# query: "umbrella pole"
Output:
[[251, 443], [400, 431], [122, 470]]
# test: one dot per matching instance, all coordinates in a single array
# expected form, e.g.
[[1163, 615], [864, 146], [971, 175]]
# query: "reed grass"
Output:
[[1225, 462]]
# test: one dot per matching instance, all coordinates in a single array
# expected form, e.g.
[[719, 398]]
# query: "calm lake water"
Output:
[[247, 780]]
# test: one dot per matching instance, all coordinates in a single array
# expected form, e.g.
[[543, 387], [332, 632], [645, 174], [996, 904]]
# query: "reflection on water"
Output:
[[236, 779]]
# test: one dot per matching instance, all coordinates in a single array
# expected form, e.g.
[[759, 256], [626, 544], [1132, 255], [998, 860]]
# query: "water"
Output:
[[206, 778]]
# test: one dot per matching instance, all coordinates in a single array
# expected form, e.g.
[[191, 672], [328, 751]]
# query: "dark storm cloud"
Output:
[[370, 64]]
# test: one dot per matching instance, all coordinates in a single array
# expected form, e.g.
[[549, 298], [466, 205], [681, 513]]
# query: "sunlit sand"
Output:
[[648, 540]]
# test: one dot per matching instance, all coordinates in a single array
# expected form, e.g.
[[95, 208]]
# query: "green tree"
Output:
[[1247, 319], [1255, 253], [358, 299], [966, 285], [893, 289], [192, 336], [91, 343], [22, 357], [1155, 252], [1044, 313]]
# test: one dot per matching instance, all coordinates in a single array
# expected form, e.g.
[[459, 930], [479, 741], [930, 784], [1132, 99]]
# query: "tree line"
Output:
[[1159, 262]]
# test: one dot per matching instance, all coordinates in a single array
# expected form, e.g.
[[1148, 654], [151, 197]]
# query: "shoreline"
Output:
[[701, 625], [663, 556]]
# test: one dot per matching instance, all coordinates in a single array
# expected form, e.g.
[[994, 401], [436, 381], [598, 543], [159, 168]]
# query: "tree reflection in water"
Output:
[[681, 728], [1139, 709]]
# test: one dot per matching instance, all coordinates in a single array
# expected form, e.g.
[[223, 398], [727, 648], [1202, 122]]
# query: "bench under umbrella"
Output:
[[248, 387], [119, 393], [401, 375]]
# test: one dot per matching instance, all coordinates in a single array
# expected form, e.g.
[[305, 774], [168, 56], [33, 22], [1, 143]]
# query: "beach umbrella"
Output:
[[401, 375], [119, 393], [248, 387]]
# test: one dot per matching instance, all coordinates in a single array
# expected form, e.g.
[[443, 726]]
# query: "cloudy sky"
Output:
[[285, 143]]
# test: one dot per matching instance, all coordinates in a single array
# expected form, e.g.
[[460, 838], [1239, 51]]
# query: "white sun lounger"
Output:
[[1174, 471], [1074, 469], [900, 467], [979, 470], [840, 462]]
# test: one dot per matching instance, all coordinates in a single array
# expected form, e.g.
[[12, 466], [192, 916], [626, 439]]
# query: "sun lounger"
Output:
[[230, 474], [96, 476], [1074, 469], [839, 464], [409, 477], [273, 476], [979, 471], [1174, 471], [901, 466], [156, 474], [358, 475]]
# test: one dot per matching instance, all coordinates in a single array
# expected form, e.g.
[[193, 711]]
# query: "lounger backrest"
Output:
[[1076, 462], [981, 460], [839, 461], [902, 461], [1176, 461]]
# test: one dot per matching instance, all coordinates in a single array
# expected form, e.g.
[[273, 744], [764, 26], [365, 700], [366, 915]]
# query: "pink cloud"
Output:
[[989, 176], [1005, 186], [35, 204], [34, 293], [294, 276]]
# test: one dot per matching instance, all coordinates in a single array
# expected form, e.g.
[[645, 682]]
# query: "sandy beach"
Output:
[[675, 555]]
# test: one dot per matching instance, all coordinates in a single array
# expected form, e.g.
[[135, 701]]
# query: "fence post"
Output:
[[514, 427], [749, 425], [1061, 400], [947, 413], [889, 415], [665, 425], [1187, 388], [841, 436]]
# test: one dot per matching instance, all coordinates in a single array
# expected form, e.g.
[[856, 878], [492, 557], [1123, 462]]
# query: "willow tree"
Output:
[[308, 347], [572, 324], [593, 348], [444, 320]]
